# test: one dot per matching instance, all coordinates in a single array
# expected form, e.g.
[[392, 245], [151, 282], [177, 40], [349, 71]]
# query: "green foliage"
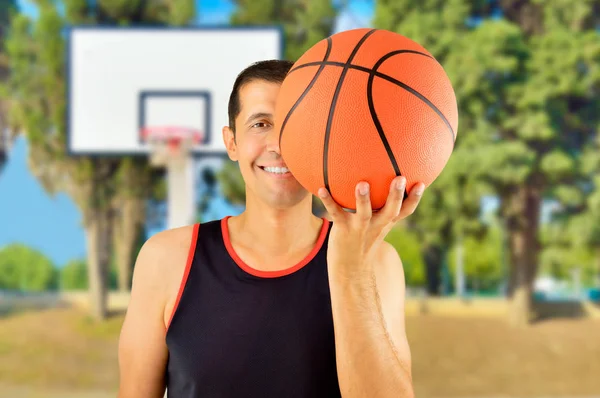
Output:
[[564, 250], [527, 88], [74, 275], [232, 183], [36, 93], [27, 269], [119, 10], [408, 246], [482, 261], [557, 163], [304, 22], [451, 205]]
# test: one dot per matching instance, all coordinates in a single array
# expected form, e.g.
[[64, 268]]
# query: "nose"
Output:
[[273, 141]]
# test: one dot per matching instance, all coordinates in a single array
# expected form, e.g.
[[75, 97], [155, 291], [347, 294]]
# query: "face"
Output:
[[256, 148]]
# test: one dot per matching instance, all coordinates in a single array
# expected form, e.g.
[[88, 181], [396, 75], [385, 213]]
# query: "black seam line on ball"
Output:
[[391, 80], [306, 90], [373, 112], [334, 102], [363, 68]]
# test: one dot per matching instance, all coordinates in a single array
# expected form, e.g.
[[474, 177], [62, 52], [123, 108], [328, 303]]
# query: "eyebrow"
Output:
[[259, 115]]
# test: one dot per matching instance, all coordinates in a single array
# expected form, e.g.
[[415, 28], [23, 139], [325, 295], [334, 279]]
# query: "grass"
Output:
[[59, 348], [64, 350]]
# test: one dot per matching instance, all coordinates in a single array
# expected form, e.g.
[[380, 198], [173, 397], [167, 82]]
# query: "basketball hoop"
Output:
[[170, 143]]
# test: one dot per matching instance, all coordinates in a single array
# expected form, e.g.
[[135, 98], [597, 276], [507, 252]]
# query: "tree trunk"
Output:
[[98, 224], [125, 238], [520, 309], [433, 256], [524, 212], [512, 266], [98, 255]]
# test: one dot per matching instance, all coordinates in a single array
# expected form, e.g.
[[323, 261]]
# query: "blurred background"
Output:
[[502, 257]]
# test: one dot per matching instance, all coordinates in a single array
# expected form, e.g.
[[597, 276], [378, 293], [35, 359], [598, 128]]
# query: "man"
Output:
[[274, 302]]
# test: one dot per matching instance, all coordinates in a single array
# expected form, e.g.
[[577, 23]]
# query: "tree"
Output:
[[26, 269], [408, 245], [551, 115], [483, 268], [7, 7], [37, 85], [450, 208], [232, 183], [525, 122], [74, 275], [572, 239], [585, 230], [134, 181], [562, 254], [304, 22], [37, 54]]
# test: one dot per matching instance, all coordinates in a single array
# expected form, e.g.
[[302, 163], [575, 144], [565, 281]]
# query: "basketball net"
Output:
[[170, 145]]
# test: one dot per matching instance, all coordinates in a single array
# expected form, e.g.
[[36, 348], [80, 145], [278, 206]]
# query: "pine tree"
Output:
[[304, 22], [448, 212], [7, 7], [98, 185], [527, 86]]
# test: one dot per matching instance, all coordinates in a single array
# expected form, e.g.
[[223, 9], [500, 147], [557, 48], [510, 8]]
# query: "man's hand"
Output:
[[367, 287], [354, 238]]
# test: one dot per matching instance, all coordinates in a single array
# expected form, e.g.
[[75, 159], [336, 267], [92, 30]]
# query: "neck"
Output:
[[279, 231]]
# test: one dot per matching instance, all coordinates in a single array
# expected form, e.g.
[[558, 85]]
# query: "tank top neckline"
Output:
[[272, 274]]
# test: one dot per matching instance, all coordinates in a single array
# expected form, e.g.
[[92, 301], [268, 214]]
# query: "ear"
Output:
[[230, 144]]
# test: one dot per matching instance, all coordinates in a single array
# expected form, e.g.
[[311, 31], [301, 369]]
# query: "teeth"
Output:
[[277, 170]]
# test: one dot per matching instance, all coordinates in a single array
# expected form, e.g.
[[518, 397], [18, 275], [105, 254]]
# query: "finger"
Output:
[[334, 210], [412, 201], [393, 204], [363, 202]]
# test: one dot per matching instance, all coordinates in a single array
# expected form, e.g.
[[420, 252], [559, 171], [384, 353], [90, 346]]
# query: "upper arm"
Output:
[[142, 347], [391, 288]]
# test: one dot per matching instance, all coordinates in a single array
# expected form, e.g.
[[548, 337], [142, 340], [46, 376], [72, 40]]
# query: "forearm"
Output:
[[367, 361]]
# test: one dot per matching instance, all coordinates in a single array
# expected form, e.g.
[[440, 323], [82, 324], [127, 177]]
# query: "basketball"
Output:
[[366, 105]]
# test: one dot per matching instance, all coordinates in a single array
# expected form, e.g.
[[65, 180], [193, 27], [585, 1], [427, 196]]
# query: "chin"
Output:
[[287, 199]]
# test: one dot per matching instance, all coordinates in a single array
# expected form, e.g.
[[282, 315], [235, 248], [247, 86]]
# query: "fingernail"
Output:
[[401, 184], [364, 189], [419, 190], [322, 192]]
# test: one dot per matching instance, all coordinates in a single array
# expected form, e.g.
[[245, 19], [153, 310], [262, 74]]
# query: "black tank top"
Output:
[[238, 332]]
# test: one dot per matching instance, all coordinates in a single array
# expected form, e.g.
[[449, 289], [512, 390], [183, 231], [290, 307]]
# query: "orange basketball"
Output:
[[366, 105]]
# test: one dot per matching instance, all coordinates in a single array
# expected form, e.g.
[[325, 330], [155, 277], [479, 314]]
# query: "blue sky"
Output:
[[29, 216], [53, 224]]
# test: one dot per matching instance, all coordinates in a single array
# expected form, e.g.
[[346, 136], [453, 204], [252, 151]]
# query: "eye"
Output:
[[260, 125]]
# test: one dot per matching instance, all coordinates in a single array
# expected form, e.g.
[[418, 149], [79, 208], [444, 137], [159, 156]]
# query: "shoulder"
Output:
[[169, 242], [389, 269], [163, 258]]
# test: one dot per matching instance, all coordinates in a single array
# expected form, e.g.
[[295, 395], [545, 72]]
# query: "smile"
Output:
[[277, 171]]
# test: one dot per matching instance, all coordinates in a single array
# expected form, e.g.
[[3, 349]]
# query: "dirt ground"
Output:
[[61, 353]]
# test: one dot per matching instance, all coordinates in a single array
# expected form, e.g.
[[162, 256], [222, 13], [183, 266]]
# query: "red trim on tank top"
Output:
[[272, 274], [186, 272]]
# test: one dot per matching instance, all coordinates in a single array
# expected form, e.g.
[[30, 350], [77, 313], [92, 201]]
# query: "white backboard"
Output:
[[121, 80]]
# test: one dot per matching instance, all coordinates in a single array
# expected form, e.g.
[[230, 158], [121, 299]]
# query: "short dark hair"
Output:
[[272, 70]]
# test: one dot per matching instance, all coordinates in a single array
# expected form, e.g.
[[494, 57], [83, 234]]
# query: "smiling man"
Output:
[[274, 302]]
